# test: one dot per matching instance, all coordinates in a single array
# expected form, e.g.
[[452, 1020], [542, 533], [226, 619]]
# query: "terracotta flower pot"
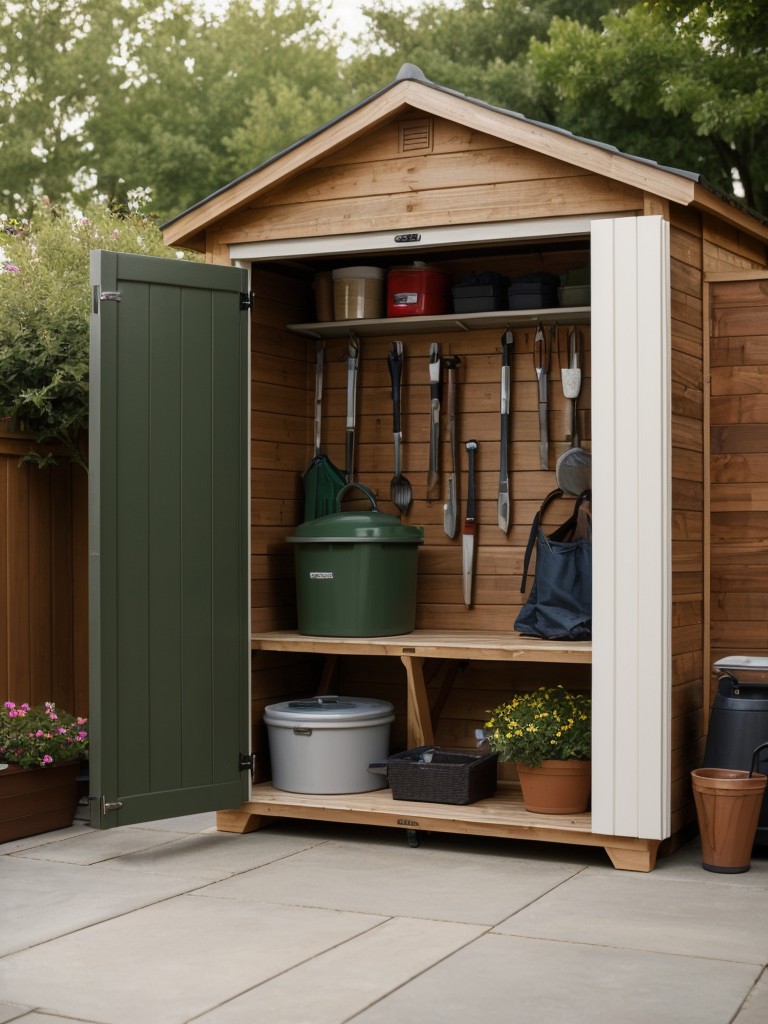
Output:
[[35, 800], [728, 804], [556, 787]]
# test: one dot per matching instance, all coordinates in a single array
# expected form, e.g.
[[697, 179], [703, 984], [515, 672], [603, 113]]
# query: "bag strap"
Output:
[[557, 493], [535, 526]]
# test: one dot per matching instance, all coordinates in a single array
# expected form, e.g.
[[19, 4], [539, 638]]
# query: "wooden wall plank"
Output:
[[43, 586]]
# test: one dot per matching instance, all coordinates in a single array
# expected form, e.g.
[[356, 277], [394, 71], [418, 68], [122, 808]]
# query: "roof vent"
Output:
[[415, 135]]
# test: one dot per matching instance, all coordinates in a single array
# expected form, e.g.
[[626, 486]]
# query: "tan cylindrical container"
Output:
[[358, 293], [728, 806]]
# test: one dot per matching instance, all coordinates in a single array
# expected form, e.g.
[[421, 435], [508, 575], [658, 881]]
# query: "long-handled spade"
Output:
[[400, 489]]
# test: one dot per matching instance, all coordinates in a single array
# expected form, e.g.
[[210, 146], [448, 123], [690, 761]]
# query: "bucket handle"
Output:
[[360, 487], [753, 769]]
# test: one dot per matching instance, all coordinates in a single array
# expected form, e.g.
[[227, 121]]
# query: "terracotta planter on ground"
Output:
[[35, 800], [556, 787], [728, 804]]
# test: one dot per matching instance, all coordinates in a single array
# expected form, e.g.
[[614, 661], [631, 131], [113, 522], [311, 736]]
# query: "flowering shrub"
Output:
[[545, 724], [39, 736]]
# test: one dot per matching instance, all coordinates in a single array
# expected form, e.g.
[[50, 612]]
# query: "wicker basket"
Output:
[[450, 777]]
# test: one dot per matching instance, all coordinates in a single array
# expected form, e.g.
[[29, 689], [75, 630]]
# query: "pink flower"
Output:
[[39, 733], [61, 730], [82, 721], [11, 268], [52, 716], [9, 704], [82, 735], [47, 759]]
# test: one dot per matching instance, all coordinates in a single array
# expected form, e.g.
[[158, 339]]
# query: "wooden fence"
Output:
[[43, 579]]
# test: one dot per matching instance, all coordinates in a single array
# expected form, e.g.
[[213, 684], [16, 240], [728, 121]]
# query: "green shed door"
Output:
[[169, 640]]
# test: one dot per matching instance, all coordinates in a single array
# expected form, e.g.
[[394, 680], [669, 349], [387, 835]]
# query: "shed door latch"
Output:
[[247, 763], [246, 300], [106, 806]]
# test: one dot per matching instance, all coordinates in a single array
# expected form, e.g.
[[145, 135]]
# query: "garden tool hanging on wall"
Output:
[[451, 506], [504, 496], [435, 397], [571, 378], [541, 359], [353, 360], [321, 480], [573, 469]]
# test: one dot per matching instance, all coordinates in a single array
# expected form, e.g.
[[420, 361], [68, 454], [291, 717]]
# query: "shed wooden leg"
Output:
[[419, 724], [240, 820], [639, 857]]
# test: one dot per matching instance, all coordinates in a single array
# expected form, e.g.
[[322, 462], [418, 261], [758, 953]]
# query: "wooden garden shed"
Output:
[[420, 172]]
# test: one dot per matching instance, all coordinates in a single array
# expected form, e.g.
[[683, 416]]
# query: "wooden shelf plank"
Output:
[[444, 323], [468, 646], [502, 815]]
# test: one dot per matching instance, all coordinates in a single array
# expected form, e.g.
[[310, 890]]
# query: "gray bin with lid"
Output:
[[325, 744], [356, 573], [738, 722]]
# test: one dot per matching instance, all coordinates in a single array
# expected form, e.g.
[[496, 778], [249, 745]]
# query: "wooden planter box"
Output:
[[35, 800]]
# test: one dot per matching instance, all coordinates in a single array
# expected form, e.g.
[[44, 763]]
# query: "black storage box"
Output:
[[533, 291], [480, 293], [449, 777]]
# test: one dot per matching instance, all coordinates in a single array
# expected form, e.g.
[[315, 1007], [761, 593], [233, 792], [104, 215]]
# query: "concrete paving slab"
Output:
[[335, 985], [170, 962], [755, 1008], [184, 823], [44, 900], [78, 829], [212, 857], [651, 912], [203, 857], [433, 882], [686, 862], [500, 978], [10, 1011], [48, 1018], [94, 847]]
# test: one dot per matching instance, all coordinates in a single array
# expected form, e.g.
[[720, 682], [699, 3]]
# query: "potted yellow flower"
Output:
[[547, 733], [41, 749]]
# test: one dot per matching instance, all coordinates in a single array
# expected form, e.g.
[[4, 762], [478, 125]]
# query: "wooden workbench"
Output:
[[502, 815]]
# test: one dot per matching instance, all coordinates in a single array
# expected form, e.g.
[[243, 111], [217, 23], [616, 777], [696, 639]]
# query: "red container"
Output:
[[418, 291]]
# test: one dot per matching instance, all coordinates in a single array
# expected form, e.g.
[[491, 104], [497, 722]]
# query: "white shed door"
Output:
[[631, 668]]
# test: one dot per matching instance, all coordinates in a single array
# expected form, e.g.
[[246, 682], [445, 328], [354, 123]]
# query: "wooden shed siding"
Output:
[[688, 586], [43, 580], [467, 178], [739, 467], [506, 201]]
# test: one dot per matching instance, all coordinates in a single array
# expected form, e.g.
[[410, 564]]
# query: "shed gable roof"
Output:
[[410, 91]]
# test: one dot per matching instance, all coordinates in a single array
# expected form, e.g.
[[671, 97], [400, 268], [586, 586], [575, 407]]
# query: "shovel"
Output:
[[400, 489], [321, 479]]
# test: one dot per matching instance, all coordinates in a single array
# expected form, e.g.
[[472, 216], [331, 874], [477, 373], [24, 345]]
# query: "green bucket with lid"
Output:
[[356, 572]]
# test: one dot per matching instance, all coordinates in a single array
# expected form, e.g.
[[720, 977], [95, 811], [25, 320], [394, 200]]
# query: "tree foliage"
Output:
[[45, 311], [105, 96], [679, 82], [98, 97]]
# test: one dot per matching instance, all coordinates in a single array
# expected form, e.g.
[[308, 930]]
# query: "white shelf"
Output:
[[499, 319]]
